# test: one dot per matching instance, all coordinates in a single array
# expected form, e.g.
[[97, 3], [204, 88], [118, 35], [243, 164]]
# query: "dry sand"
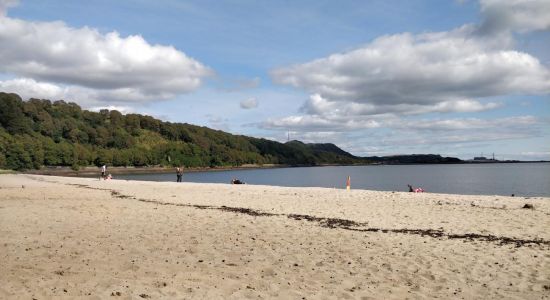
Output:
[[79, 237]]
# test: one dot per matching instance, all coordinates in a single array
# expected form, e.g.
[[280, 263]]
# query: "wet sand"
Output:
[[81, 237]]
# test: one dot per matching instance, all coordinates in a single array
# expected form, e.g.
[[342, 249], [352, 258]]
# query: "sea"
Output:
[[519, 179]]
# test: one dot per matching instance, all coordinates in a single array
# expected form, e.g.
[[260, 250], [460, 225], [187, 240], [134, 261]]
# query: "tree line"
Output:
[[39, 132]]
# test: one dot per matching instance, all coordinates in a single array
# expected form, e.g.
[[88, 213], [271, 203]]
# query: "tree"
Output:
[[17, 158], [104, 157], [11, 114], [133, 125], [45, 123], [115, 117], [35, 151], [51, 153]]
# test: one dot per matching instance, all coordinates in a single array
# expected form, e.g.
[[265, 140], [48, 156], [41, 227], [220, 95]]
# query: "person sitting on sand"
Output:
[[236, 181], [109, 177], [415, 190]]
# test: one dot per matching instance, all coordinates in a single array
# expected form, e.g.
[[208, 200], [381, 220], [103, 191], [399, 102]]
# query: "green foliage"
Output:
[[38, 132], [12, 117], [17, 157]]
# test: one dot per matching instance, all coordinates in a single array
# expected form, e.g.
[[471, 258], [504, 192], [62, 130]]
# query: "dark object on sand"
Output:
[[528, 206], [236, 181], [513, 195]]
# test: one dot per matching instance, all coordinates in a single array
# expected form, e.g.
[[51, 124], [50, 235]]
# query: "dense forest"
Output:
[[38, 133]]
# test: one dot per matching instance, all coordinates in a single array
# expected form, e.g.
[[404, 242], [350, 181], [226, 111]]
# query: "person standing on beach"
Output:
[[104, 172], [179, 173]]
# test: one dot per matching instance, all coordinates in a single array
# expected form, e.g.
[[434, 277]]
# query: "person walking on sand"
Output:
[[179, 174], [103, 172]]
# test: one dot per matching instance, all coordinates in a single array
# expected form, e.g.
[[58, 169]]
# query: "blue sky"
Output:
[[457, 78]]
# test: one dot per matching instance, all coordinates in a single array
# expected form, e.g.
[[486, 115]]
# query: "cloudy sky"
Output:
[[456, 78]]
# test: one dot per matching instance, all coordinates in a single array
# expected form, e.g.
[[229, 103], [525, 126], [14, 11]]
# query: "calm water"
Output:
[[524, 179]]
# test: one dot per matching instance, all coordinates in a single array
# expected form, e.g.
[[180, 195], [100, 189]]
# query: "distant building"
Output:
[[483, 159], [480, 158]]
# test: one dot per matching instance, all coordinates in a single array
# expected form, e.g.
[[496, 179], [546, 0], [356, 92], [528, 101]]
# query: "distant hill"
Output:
[[329, 148]]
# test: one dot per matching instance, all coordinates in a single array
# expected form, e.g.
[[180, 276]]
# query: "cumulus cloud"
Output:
[[117, 68], [447, 69], [309, 123], [320, 106], [249, 103], [30, 88], [515, 15]]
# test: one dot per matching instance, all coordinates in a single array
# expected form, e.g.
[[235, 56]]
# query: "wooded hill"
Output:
[[38, 132]]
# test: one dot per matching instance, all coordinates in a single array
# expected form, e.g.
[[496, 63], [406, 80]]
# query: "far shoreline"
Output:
[[91, 171], [95, 171]]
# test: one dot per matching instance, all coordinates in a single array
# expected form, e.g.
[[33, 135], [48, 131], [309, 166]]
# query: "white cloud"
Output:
[[515, 15], [317, 105], [309, 123], [117, 68], [249, 103], [122, 109], [88, 97], [29, 88], [448, 70]]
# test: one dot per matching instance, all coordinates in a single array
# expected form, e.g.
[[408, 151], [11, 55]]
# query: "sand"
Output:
[[81, 237]]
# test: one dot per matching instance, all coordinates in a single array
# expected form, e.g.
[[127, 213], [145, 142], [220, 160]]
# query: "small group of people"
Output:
[[104, 174], [415, 190]]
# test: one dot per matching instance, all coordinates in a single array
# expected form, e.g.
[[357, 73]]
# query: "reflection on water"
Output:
[[523, 179]]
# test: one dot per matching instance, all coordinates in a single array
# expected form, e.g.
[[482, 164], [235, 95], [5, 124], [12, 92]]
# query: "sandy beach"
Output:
[[82, 237]]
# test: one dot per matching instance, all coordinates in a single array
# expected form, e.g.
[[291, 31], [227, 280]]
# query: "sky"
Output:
[[381, 77]]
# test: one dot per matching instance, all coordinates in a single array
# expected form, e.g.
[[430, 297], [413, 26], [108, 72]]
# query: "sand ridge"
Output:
[[83, 237]]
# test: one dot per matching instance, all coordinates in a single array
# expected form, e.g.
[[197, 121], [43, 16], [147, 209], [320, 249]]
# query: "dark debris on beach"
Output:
[[336, 223]]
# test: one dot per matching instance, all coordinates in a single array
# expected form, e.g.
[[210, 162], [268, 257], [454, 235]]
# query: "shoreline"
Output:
[[96, 171], [92, 171], [83, 237]]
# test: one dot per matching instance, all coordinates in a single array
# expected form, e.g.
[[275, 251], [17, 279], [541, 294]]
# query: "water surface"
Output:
[[521, 179]]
